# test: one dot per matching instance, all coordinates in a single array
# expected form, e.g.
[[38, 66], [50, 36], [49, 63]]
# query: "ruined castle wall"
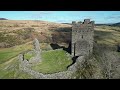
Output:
[[60, 75]]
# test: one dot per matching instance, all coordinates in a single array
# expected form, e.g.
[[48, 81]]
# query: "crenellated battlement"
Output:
[[86, 22]]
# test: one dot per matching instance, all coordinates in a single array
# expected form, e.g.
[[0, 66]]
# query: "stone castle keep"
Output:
[[82, 38]]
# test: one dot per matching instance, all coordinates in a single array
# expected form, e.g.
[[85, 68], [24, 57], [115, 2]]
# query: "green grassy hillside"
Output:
[[8, 53], [52, 61]]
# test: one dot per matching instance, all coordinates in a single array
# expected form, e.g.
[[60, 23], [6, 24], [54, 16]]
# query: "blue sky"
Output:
[[63, 16]]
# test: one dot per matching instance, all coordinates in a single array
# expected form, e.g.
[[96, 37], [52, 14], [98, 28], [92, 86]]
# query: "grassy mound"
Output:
[[53, 61]]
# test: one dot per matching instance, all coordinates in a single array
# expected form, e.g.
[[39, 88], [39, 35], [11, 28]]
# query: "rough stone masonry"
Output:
[[35, 59], [37, 51], [82, 38]]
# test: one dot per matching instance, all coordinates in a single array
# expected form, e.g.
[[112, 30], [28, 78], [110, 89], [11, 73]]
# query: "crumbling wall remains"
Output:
[[60, 75]]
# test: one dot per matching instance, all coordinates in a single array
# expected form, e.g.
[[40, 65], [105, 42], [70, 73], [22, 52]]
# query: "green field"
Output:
[[9, 62], [10, 70], [53, 61], [8, 53]]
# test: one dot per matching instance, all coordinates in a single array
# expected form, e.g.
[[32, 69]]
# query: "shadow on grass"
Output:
[[102, 33], [74, 60], [56, 46], [99, 35], [64, 29]]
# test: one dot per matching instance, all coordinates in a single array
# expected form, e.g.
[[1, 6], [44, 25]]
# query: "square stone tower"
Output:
[[82, 37]]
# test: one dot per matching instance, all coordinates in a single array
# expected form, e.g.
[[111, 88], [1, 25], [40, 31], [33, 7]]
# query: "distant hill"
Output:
[[116, 24], [67, 23], [100, 24], [110, 24], [3, 19]]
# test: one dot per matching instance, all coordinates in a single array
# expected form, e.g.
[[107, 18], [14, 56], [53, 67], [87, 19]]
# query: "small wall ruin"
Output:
[[34, 60]]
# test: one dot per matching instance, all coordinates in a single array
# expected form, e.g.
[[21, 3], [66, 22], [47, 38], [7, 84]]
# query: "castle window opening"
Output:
[[74, 48], [82, 36]]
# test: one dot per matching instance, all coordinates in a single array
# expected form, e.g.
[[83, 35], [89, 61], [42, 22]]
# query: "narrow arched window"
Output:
[[89, 51], [82, 36]]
